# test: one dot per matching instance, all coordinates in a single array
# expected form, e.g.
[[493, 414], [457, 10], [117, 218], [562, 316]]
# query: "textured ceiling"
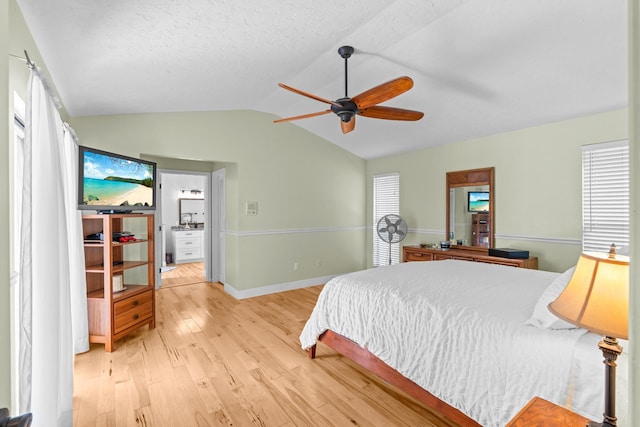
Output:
[[479, 67]]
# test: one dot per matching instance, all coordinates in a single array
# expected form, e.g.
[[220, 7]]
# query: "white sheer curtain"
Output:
[[53, 314]]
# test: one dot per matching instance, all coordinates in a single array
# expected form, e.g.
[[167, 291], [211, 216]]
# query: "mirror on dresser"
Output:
[[470, 207], [191, 212]]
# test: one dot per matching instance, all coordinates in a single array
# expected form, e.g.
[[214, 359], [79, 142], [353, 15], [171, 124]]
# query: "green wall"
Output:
[[538, 180], [310, 193]]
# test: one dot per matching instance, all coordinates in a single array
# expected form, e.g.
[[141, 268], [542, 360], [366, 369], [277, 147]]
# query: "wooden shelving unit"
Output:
[[480, 230], [114, 314]]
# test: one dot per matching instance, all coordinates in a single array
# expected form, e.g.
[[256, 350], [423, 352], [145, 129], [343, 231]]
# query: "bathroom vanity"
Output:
[[188, 245]]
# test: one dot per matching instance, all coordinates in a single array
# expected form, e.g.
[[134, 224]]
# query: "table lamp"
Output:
[[597, 299]]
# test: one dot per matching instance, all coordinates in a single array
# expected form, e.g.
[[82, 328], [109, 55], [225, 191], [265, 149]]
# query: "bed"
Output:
[[473, 341]]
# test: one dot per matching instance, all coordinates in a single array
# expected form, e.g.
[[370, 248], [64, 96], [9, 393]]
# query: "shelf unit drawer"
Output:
[[132, 311]]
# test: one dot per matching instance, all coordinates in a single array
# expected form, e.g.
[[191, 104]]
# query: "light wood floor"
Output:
[[216, 361], [183, 274]]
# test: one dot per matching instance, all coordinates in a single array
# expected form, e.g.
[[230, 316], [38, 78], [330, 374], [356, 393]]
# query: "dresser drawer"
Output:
[[417, 256], [132, 311], [195, 234], [188, 254], [188, 244]]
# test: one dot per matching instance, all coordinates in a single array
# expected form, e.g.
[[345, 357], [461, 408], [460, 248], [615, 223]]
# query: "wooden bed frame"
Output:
[[367, 360]]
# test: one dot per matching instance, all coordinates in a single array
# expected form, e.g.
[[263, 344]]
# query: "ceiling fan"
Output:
[[364, 104]]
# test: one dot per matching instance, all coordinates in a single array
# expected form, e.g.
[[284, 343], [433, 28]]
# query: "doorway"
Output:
[[180, 226], [204, 226]]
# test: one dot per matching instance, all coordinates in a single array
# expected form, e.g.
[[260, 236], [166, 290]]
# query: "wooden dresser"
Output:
[[466, 253]]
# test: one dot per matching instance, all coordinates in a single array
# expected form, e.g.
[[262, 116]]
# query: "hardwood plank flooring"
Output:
[[183, 274], [213, 360]]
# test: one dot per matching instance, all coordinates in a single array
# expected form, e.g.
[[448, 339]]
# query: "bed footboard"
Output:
[[367, 360]]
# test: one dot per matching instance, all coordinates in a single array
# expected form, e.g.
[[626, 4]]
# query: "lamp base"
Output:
[[610, 350]]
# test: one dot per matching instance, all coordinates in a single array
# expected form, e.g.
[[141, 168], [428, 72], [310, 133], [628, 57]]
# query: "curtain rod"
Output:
[[43, 78], [26, 59]]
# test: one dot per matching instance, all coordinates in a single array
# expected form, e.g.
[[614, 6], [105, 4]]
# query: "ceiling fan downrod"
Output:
[[348, 109], [345, 52]]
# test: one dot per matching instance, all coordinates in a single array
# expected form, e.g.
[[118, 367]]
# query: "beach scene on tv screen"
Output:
[[478, 202], [112, 181]]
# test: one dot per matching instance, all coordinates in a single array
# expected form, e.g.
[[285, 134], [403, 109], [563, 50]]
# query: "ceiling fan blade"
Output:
[[307, 94], [382, 92], [391, 113], [304, 116], [348, 126]]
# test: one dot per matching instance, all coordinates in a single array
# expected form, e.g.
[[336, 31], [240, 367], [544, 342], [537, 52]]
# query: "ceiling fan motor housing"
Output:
[[345, 51], [347, 110]]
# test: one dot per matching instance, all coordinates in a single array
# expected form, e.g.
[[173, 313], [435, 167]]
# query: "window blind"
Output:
[[605, 195], [386, 200]]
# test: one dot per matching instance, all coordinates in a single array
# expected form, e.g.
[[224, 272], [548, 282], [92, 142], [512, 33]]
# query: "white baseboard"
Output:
[[272, 289]]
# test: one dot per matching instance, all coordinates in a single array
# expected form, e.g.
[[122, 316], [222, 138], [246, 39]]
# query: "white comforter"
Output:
[[457, 329]]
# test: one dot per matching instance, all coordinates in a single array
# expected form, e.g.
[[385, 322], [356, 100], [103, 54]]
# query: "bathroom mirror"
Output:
[[191, 211], [470, 207]]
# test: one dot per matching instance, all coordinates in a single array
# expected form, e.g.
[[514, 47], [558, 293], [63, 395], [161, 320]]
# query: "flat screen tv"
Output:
[[113, 183], [478, 201]]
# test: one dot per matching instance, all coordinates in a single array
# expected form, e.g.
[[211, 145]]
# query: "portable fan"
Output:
[[392, 229]]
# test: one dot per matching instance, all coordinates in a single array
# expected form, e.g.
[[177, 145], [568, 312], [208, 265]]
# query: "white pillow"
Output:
[[542, 317]]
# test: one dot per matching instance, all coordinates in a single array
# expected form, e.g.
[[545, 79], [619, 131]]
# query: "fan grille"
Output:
[[392, 229]]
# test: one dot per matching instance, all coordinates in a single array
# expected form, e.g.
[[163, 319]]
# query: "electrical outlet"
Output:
[[295, 266]]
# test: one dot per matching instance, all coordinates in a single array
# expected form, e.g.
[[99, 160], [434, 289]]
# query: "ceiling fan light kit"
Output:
[[364, 104]]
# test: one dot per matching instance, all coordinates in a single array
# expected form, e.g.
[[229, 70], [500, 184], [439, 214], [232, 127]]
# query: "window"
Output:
[[386, 200], [605, 195]]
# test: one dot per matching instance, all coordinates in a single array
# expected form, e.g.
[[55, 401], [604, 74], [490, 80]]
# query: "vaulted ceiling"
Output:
[[479, 67]]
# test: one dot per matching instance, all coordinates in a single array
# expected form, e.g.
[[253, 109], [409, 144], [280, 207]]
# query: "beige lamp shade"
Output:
[[597, 296]]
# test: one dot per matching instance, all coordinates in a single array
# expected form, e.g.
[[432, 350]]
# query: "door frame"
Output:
[[217, 231], [160, 248]]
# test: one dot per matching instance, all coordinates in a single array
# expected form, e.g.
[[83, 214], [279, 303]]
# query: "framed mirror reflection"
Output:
[[191, 212], [470, 207]]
